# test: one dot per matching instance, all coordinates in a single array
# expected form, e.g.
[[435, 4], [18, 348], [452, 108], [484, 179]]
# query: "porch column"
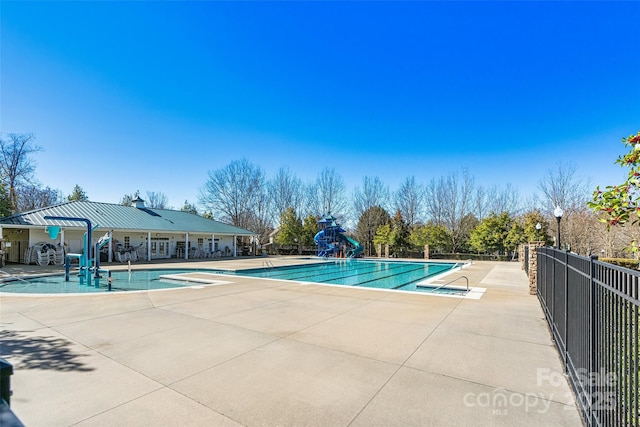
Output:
[[148, 246], [186, 244], [235, 252], [213, 245], [110, 250]]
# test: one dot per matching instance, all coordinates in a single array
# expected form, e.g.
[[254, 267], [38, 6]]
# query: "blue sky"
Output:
[[150, 96]]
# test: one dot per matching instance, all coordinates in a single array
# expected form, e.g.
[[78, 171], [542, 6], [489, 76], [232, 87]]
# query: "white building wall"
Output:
[[73, 238]]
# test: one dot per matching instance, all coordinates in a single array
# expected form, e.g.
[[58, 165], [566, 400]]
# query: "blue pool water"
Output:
[[138, 280], [398, 275]]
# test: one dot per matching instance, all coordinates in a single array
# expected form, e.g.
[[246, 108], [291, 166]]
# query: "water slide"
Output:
[[326, 249], [357, 247]]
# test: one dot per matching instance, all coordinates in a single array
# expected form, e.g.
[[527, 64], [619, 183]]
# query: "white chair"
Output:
[[42, 258], [141, 251], [59, 257]]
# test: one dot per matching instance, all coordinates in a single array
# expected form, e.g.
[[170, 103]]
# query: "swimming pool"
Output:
[[137, 280], [397, 275]]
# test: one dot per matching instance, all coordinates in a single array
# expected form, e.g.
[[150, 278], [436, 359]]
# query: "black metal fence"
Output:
[[14, 250], [593, 310]]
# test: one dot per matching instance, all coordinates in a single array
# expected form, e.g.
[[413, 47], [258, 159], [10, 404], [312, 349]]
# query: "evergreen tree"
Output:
[[290, 228], [430, 234], [5, 202], [398, 240], [77, 195], [382, 236], [491, 234], [309, 230], [191, 208]]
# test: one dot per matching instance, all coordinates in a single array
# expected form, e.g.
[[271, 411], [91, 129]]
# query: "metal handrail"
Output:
[[448, 283], [267, 264]]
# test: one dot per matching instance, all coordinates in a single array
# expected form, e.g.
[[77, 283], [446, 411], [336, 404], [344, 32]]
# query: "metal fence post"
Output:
[[592, 334], [6, 370], [553, 287], [566, 309]]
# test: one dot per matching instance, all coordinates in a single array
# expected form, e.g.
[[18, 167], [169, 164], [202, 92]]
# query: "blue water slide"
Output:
[[326, 249]]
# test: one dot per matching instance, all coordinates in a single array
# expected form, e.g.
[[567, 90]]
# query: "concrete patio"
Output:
[[273, 353]]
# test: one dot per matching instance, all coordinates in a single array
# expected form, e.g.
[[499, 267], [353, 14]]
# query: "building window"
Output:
[[126, 242]]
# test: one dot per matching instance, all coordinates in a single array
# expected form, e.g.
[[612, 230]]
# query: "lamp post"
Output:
[[538, 227], [558, 212]]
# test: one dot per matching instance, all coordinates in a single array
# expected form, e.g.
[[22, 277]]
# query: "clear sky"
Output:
[[150, 96]]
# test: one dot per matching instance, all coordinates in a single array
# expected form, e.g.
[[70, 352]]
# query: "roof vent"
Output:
[[138, 203]]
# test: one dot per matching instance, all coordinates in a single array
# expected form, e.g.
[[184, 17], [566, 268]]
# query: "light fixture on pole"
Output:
[[538, 227], [558, 212]]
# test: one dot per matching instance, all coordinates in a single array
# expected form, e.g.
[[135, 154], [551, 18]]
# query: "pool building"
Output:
[[135, 232]]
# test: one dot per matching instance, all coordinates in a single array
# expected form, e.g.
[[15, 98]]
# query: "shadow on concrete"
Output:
[[29, 352]]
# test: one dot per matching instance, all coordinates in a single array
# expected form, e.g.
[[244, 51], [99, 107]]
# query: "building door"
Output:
[[160, 248]]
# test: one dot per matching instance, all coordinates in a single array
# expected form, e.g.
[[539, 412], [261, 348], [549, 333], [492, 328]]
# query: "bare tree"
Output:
[[157, 200], [232, 191], [505, 199], [448, 201], [409, 200], [16, 165], [561, 187], [496, 200], [373, 193], [32, 197], [330, 193], [368, 223], [312, 203], [480, 202], [435, 201], [259, 217], [286, 191]]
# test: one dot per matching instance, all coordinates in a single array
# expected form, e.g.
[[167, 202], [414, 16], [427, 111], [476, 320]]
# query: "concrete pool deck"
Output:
[[272, 353]]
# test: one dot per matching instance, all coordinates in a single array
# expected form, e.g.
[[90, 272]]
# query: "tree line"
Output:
[[452, 213]]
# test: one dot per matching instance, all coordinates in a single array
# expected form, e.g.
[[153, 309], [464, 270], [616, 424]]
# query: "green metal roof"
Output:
[[119, 217]]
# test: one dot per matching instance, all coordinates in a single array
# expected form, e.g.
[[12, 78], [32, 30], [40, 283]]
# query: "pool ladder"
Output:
[[454, 280], [267, 264]]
